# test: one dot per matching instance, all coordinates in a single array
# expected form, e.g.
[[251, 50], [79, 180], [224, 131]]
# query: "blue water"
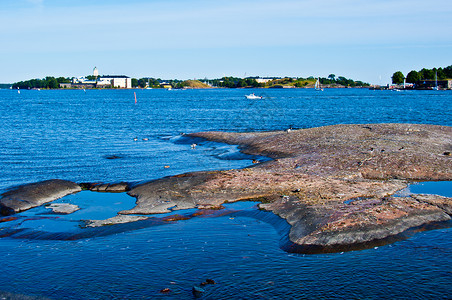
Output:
[[72, 134]]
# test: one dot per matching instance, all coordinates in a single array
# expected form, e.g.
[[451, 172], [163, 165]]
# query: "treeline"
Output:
[[47, 83], [225, 82], [146, 82], [341, 80], [424, 74], [235, 82]]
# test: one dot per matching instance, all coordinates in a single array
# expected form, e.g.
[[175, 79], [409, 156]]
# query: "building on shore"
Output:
[[264, 79], [96, 81], [116, 81], [430, 84]]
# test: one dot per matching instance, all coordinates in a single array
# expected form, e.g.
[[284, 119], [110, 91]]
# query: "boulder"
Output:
[[35, 194]]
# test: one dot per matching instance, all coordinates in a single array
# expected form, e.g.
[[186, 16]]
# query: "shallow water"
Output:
[[72, 135]]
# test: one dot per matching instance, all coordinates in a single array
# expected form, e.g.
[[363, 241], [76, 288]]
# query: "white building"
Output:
[[264, 80], [117, 81]]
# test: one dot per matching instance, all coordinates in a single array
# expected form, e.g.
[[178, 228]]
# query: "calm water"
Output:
[[72, 135]]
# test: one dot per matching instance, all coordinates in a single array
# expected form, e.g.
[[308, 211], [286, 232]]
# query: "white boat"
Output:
[[253, 96], [317, 86]]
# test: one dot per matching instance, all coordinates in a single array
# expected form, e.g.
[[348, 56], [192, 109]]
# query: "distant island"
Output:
[[122, 81], [436, 78]]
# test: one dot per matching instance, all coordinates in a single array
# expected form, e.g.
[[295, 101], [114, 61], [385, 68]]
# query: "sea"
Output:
[[235, 253]]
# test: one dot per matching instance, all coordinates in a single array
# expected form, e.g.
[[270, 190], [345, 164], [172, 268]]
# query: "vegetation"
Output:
[[341, 81], [225, 82], [193, 84], [398, 77], [47, 83], [424, 74], [413, 77], [234, 82], [5, 85]]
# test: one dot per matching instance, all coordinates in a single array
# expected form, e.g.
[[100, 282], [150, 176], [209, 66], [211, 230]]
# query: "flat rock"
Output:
[[445, 203], [119, 187], [119, 219], [63, 208], [332, 184], [35, 194]]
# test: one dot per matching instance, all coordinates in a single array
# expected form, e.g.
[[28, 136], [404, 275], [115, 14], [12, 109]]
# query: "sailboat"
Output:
[[317, 85], [436, 82]]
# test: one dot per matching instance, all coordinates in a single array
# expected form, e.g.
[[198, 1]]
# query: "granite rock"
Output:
[[35, 194]]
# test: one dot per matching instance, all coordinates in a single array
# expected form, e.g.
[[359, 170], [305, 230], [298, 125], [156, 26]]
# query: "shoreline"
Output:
[[334, 185]]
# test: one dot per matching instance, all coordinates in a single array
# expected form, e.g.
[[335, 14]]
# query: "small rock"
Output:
[[208, 281], [197, 291], [63, 208], [112, 157]]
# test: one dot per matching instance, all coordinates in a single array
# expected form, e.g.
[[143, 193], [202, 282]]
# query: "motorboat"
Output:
[[253, 96]]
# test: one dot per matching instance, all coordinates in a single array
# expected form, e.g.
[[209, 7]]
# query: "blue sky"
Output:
[[359, 39]]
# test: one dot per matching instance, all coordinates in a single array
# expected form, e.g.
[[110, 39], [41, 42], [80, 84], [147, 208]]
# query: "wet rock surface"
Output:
[[118, 187], [63, 208], [332, 184], [35, 194], [119, 219]]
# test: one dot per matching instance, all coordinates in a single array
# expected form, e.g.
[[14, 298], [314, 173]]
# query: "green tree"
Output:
[[51, 82], [63, 80], [441, 74], [134, 82], [332, 77], [398, 77], [448, 72], [413, 77], [142, 82], [427, 74]]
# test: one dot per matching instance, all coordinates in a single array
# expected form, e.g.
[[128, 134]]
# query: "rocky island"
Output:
[[334, 185]]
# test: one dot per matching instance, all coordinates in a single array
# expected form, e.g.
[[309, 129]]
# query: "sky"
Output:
[[365, 40]]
